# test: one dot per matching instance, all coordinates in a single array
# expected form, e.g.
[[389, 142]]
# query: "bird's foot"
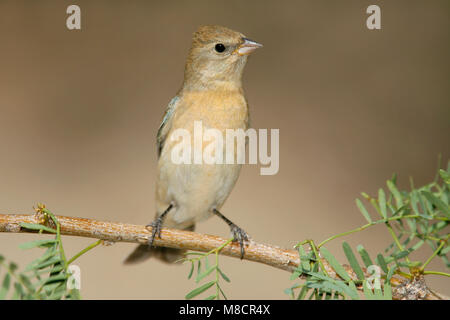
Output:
[[240, 236], [156, 230]]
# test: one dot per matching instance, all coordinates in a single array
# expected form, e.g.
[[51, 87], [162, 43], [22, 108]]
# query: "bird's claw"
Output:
[[240, 236], [156, 230]]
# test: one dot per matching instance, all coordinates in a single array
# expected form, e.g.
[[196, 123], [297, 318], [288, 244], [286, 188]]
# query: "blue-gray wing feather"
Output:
[[165, 125]]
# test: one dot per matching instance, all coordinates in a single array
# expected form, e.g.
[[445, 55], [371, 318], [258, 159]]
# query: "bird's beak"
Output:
[[247, 47]]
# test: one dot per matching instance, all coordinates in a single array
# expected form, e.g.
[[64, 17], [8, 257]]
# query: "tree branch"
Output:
[[270, 255]]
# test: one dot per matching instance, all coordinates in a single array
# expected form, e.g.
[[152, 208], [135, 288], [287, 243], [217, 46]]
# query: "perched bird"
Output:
[[211, 93]]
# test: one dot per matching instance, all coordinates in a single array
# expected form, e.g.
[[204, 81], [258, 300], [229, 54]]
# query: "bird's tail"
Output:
[[144, 252]]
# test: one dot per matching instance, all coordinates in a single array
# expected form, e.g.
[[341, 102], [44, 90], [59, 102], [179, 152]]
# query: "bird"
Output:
[[212, 93]]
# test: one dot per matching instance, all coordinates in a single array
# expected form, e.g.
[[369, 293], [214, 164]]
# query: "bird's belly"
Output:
[[197, 189]]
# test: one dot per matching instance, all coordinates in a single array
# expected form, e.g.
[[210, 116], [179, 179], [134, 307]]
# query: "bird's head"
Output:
[[217, 58]]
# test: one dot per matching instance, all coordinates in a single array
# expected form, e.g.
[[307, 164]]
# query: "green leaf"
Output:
[[382, 263], [56, 278], [26, 281], [316, 285], [303, 259], [417, 245], [57, 268], [390, 273], [199, 266], [206, 262], [437, 202], [445, 176], [426, 207], [363, 210], [53, 260], [35, 226], [12, 267], [354, 294], [223, 275], [312, 294], [330, 286], [412, 225], [414, 200], [199, 290], [50, 287], [364, 256], [350, 290], [365, 195], [18, 292], [58, 293], [5, 286], [394, 178], [74, 294], [378, 293], [221, 291], [205, 273], [214, 296], [395, 193], [295, 274], [401, 254], [191, 271], [315, 267], [382, 203], [444, 197], [319, 275], [367, 291], [387, 291], [290, 291], [303, 292], [37, 243], [47, 255], [374, 203], [444, 250], [317, 295], [335, 264], [352, 260]]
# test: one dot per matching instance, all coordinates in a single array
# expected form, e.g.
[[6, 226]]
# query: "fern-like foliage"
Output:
[[44, 278], [47, 277], [200, 259], [412, 218]]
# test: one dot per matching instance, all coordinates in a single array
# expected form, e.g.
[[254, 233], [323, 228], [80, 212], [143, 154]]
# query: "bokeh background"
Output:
[[79, 111]]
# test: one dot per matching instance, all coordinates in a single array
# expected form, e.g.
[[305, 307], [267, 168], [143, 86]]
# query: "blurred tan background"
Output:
[[79, 111]]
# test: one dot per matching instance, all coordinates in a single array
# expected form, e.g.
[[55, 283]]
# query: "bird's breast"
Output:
[[215, 109]]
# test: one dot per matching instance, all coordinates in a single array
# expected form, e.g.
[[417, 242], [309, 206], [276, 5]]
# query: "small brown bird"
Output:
[[211, 93]]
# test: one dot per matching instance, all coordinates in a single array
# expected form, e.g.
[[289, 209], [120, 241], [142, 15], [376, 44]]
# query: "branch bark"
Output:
[[270, 255]]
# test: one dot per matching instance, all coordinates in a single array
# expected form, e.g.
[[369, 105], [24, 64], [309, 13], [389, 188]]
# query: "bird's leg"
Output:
[[157, 224], [239, 235]]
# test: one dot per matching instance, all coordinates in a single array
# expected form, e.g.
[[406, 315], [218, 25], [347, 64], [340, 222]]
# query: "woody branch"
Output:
[[270, 255]]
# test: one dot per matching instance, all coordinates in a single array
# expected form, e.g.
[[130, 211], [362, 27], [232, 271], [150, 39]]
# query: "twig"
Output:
[[283, 259]]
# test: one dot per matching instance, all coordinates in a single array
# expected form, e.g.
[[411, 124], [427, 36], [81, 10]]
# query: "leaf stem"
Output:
[[90, 247], [346, 233], [441, 245], [58, 235], [437, 273], [409, 216], [217, 276], [316, 254], [396, 240]]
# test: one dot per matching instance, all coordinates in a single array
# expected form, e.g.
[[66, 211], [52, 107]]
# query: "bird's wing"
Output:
[[164, 128]]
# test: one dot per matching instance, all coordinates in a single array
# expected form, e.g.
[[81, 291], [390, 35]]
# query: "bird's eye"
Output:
[[220, 47]]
